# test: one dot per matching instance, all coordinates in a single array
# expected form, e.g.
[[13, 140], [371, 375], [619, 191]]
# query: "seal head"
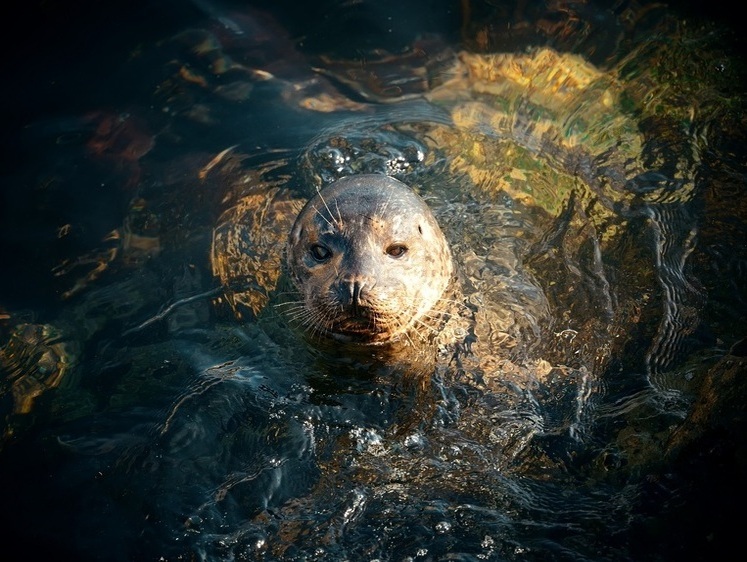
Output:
[[369, 261]]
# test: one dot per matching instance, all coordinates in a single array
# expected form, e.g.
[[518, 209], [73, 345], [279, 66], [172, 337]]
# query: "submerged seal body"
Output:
[[368, 260]]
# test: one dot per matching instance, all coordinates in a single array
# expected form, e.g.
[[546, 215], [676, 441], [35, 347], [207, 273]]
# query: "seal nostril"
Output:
[[353, 293], [357, 292]]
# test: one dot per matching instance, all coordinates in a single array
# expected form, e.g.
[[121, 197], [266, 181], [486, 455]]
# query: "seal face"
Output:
[[368, 259]]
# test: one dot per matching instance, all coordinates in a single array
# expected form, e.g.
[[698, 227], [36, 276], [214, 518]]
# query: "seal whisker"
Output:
[[304, 320], [317, 326], [435, 314], [299, 302], [426, 325], [406, 333], [339, 215], [426, 328], [453, 302], [331, 224], [299, 314], [331, 216], [444, 308]]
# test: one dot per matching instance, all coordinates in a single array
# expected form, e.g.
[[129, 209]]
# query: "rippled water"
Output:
[[586, 162]]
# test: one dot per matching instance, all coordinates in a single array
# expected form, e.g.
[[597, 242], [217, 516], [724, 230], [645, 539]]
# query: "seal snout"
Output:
[[354, 294]]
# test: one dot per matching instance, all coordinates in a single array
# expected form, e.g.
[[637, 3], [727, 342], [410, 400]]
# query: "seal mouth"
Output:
[[360, 323], [360, 337]]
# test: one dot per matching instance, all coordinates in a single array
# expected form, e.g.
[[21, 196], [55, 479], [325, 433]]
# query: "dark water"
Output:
[[592, 185]]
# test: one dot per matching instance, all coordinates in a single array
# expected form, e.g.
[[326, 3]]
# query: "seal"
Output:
[[369, 262]]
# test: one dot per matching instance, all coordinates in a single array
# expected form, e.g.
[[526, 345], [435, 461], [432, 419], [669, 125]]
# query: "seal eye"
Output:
[[320, 253], [396, 250]]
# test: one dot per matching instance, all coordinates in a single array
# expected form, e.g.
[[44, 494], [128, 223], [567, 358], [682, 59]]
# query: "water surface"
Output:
[[586, 162]]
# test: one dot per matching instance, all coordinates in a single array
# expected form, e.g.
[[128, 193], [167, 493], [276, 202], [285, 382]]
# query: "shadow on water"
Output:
[[583, 397]]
